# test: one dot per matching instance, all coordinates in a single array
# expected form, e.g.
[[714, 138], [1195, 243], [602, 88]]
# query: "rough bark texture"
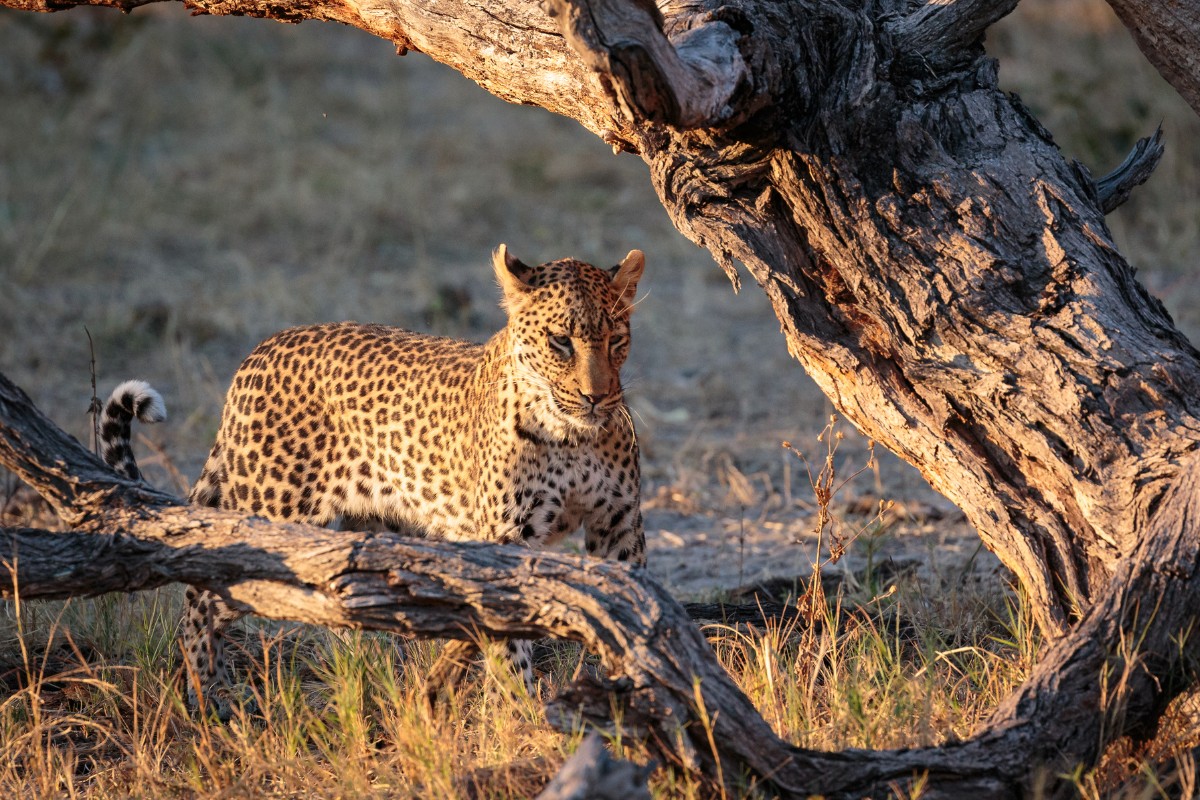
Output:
[[936, 264], [1167, 32], [591, 774], [1115, 188], [1091, 687]]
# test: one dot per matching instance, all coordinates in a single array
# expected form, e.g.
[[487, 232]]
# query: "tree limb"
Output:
[[936, 265], [1166, 31], [652, 652], [688, 82], [932, 258], [944, 33], [655, 657], [78, 482], [1115, 187]]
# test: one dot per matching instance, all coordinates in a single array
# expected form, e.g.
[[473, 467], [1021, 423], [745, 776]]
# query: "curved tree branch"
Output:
[[1166, 31], [1109, 677], [1115, 187], [688, 82], [938, 267]]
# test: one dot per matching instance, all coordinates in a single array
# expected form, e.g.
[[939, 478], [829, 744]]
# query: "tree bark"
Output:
[[1091, 687], [1166, 31], [936, 264], [591, 774]]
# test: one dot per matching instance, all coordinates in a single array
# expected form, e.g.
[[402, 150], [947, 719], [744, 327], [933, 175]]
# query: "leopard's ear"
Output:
[[511, 273], [625, 276]]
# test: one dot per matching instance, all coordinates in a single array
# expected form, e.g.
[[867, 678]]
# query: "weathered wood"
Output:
[[659, 666], [936, 264], [1115, 187], [650, 650], [1167, 31], [940, 34], [688, 82], [592, 774]]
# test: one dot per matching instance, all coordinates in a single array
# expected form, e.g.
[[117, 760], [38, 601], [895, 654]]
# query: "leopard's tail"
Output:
[[130, 400]]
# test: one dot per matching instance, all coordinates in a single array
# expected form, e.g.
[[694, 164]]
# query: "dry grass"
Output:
[[94, 708], [184, 187]]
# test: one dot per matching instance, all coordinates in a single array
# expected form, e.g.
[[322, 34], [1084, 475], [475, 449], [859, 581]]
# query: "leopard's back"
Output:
[[346, 418]]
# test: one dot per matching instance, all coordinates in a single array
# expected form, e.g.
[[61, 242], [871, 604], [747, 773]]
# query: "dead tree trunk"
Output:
[[936, 265], [1090, 688]]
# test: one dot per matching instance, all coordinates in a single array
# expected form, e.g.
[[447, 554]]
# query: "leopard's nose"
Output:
[[593, 399]]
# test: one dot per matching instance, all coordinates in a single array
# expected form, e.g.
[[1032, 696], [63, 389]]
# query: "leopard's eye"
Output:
[[562, 344], [618, 341]]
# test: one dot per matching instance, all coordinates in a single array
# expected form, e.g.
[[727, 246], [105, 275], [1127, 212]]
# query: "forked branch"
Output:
[[686, 82], [941, 33]]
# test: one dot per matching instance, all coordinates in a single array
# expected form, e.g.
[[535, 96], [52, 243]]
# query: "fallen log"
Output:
[[592, 774], [660, 669]]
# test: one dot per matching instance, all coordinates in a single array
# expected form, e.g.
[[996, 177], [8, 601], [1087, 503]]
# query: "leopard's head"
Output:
[[568, 327]]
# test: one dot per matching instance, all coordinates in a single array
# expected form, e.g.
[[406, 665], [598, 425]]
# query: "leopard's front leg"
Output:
[[529, 521], [617, 532]]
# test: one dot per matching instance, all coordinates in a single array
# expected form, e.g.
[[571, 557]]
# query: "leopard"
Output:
[[520, 440]]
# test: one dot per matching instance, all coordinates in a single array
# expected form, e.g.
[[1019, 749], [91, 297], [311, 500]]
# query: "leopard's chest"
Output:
[[473, 468], [553, 492]]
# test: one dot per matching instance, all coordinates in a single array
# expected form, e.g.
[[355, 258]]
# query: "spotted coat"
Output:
[[522, 439]]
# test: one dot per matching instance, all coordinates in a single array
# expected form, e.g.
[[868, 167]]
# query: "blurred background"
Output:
[[182, 187]]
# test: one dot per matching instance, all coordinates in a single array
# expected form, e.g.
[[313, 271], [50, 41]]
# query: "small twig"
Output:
[[742, 546], [94, 408]]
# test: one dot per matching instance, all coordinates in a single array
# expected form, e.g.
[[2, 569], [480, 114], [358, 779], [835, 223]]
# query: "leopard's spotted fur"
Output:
[[522, 439]]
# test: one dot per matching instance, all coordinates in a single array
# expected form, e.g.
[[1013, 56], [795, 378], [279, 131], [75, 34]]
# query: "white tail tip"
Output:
[[147, 404]]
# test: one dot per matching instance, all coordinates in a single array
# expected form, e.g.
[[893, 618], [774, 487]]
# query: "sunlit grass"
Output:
[[186, 186], [94, 705], [344, 713], [339, 713]]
